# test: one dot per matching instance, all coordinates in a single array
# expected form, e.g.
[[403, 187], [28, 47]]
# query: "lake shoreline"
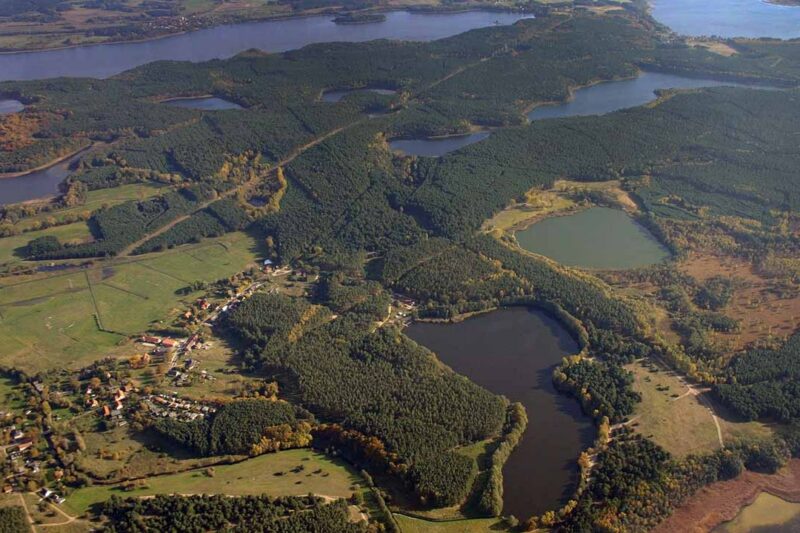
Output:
[[272, 18], [46, 166]]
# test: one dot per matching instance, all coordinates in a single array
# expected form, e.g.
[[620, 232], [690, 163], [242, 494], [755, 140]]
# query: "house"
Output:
[[169, 343], [151, 340], [106, 411], [45, 493], [17, 434], [24, 446]]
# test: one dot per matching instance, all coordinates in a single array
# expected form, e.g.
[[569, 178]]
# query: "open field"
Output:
[[679, 419], [290, 472], [761, 310], [77, 231], [75, 317]]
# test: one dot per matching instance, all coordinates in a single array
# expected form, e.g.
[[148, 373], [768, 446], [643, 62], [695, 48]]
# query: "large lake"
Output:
[[615, 95], [220, 42], [728, 18], [597, 238], [513, 352]]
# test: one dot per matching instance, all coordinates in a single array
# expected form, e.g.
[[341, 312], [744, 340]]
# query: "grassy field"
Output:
[[77, 231], [677, 420], [76, 317], [478, 525], [291, 472], [95, 200]]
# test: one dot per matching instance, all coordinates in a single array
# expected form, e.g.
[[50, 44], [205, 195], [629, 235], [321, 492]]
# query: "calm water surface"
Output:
[[728, 18], [595, 238], [513, 352], [220, 42], [615, 95], [10, 106], [208, 103], [39, 184], [336, 95], [436, 146]]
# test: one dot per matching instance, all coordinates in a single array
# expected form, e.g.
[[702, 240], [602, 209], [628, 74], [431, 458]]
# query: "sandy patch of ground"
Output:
[[715, 47]]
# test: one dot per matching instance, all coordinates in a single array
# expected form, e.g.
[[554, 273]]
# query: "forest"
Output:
[[379, 383], [198, 514], [235, 428]]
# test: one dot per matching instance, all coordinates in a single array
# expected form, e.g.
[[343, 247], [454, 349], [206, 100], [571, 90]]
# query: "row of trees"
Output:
[[198, 514]]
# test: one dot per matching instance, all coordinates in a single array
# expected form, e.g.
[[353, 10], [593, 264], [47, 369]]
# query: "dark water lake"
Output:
[[513, 352], [336, 95], [615, 95], [10, 106], [100, 61], [436, 146], [40, 184], [207, 103], [728, 18], [600, 238]]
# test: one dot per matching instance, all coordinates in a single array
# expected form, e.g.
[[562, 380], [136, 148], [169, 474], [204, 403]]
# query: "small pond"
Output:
[[436, 146], [513, 352], [597, 238], [729, 18], [767, 514], [336, 95], [611, 96], [204, 103], [10, 106]]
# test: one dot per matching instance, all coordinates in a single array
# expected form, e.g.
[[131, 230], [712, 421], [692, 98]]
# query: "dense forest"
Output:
[[197, 514], [235, 428], [377, 382]]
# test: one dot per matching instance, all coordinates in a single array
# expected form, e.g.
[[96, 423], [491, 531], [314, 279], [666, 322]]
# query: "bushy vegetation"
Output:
[[604, 389], [13, 519]]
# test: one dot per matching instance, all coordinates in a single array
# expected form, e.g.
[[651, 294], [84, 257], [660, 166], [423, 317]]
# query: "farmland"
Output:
[[77, 316]]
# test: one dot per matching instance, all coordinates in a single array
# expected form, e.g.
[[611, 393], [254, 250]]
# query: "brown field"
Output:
[[763, 313], [722, 501], [715, 47]]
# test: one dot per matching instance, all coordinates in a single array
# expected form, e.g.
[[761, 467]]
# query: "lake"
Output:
[[205, 103], [597, 238], [100, 61], [728, 18], [611, 96], [436, 146], [513, 352], [337, 94], [10, 106], [39, 184]]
